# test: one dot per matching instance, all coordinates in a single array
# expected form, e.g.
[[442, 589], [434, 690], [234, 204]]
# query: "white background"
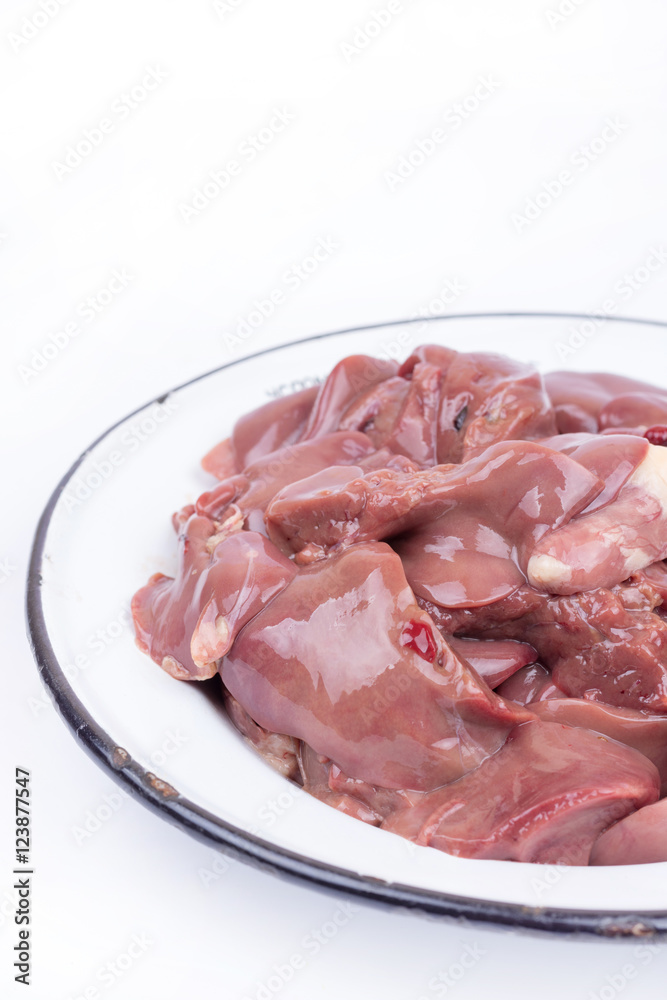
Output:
[[453, 235]]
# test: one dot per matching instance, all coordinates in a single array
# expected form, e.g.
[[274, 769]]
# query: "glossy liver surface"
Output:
[[435, 594]]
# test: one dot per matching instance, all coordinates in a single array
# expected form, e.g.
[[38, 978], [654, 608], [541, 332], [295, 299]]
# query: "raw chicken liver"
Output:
[[545, 797], [436, 594], [345, 660]]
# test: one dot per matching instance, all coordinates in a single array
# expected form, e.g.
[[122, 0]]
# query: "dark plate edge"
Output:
[[215, 832]]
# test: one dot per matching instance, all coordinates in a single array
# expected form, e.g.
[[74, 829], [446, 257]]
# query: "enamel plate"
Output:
[[107, 528]]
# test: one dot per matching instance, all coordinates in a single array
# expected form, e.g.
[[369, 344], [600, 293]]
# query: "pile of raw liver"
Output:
[[436, 596]]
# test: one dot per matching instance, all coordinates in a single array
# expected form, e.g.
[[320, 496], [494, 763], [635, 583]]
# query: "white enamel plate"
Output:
[[106, 529]]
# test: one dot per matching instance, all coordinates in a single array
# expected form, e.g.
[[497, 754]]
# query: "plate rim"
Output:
[[216, 832]]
